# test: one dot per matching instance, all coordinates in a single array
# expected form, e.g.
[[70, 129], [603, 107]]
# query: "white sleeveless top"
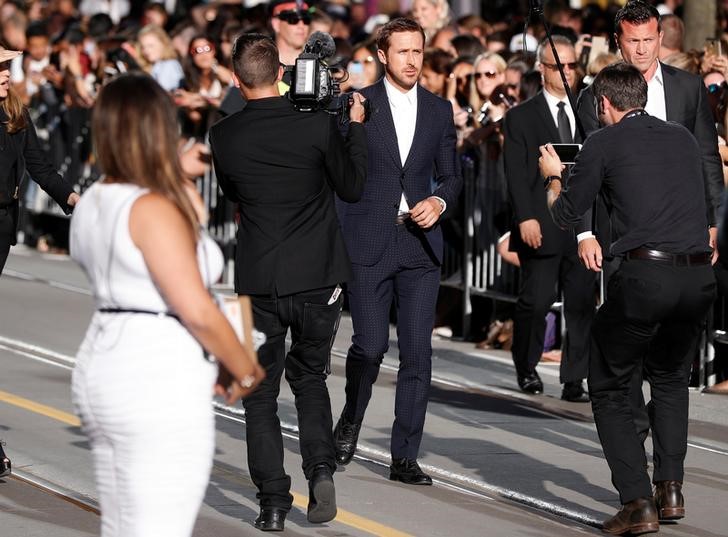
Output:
[[101, 244]]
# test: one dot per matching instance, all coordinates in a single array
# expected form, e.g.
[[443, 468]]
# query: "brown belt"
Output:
[[677, 260]]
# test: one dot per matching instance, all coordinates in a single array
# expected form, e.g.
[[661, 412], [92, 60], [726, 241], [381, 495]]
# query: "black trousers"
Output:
[[649, 305], [408, 275], [538, 291], [313, 323], [7, 234]]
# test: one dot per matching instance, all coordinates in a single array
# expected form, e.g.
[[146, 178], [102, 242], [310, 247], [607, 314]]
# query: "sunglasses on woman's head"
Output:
[[294, 17]]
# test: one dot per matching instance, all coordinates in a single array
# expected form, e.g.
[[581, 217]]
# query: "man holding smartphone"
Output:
[[658, 297], [547, 254]]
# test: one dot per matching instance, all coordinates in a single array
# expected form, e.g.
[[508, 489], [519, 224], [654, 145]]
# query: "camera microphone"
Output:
[[321, 44]]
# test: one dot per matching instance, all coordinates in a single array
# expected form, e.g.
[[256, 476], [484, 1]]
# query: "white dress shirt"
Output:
[[553, 103], [656, 106], [404, 114]]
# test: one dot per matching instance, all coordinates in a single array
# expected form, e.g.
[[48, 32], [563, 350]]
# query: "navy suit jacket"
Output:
[[368, 224]]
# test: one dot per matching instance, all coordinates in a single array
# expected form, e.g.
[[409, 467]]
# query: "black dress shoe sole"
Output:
[[324, 509], [584, 398], [276, 527], [408, 480]]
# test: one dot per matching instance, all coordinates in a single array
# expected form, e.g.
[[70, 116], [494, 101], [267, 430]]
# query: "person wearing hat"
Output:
[[290, 20], [20, 151]]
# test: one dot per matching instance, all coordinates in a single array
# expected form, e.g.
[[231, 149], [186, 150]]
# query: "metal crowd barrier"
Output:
[[471, 262]]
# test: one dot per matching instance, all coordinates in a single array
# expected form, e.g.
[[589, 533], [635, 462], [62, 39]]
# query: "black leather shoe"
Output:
[[5, 466], [574, 392], [530, 383], [408, 472], [271, 519], [669, 500], [321, 495], [636, 517], [346, 435]]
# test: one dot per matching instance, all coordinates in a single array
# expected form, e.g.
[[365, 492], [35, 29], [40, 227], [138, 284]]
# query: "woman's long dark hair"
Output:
[[135, 136]]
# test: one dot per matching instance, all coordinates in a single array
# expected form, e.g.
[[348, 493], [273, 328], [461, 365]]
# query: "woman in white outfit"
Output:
[[142, 385]]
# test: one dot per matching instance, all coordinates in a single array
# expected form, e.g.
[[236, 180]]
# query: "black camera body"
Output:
[[315, 85]]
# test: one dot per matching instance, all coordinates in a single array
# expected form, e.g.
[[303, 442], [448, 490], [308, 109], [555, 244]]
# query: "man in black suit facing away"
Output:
[[396, 245], [283, 167], [673, 95], [547, 253], [657, 298]]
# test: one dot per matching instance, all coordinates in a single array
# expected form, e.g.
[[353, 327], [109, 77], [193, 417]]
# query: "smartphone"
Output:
[[567, 152], [713, 46]]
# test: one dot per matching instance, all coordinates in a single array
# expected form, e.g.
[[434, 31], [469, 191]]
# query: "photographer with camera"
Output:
[[283, 167]]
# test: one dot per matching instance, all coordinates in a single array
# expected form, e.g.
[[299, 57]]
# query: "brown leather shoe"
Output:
[[636, 517], [669, 500]]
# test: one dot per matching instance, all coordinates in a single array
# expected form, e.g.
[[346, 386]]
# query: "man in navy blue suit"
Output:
[[395, 244]]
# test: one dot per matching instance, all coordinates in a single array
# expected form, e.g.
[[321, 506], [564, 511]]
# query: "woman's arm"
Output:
[[158, 229]]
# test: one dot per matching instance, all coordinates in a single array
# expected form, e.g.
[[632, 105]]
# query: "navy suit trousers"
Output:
[[408, 275]]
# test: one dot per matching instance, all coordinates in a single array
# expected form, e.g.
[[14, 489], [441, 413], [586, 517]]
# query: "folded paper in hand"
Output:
[[239, 312]]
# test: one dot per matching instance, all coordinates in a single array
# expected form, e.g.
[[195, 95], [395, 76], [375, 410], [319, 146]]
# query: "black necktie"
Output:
[[562, 120]]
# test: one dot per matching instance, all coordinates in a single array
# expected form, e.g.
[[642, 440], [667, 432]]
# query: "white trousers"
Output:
[[143, 392]]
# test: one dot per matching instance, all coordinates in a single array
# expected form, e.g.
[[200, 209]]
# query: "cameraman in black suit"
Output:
[[283, 168]]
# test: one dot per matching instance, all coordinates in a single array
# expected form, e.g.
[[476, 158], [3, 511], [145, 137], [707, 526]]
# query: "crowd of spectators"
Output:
[[483, 64]]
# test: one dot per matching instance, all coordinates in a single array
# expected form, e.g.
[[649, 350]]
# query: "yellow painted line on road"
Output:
[[50, 412], [299, 500]]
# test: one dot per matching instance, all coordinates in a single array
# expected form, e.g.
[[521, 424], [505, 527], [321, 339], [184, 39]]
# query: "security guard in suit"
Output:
[[658, 297]]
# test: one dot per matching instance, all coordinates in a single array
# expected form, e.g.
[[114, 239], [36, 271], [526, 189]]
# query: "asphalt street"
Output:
[[504, 463]]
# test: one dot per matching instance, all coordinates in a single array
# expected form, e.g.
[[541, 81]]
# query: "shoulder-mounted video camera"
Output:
[[315, 85]]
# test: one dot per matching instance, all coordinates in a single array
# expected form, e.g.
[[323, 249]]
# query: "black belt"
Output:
[[677, 260], [143, 312]]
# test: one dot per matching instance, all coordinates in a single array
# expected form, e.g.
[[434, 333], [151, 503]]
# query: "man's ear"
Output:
[[236, 81], [280, 73], [382, 56], [600, 105]]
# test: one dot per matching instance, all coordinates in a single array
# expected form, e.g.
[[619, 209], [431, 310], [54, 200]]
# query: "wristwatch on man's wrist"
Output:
[[549, 179]]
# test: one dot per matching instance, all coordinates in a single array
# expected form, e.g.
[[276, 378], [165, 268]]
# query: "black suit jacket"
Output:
[[283, 167], [526, 127], [368, 224], [686, 103]]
